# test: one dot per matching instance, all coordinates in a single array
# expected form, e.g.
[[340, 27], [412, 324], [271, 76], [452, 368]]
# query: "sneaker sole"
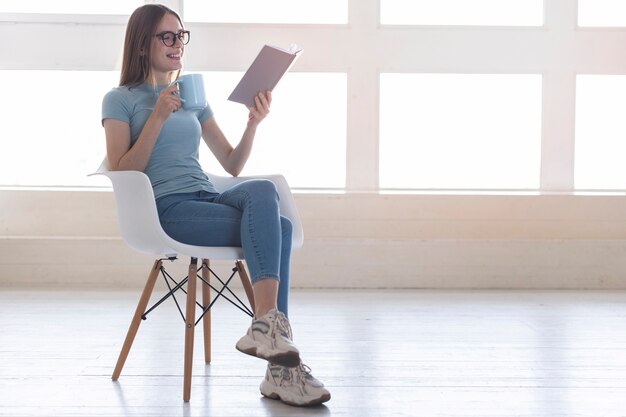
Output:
[[286, 359], [275, 394]]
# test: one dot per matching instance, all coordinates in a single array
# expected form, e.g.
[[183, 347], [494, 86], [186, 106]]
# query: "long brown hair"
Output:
[[137, 52]]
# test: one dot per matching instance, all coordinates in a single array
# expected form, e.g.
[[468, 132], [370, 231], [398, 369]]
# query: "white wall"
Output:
[[360, 238], [351, 240]]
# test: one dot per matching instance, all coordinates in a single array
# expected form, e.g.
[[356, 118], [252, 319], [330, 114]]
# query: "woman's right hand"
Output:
[[168, 102]]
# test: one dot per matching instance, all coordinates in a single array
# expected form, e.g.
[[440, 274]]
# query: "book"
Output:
[[264, 73]]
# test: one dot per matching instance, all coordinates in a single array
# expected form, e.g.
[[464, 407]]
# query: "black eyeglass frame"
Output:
[[183, 36]]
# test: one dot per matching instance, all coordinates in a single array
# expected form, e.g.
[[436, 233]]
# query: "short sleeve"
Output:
[[205, 113], [115, 105]]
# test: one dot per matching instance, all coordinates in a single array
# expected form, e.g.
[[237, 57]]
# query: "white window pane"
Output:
[[601, 13], [53, 134], [70, 6], [60, 146], [303, 138], [460, 131], [268, 11], [462, 12], [600, 132]]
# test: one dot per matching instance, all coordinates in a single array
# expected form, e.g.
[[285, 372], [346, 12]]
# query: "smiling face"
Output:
[[166, 61]]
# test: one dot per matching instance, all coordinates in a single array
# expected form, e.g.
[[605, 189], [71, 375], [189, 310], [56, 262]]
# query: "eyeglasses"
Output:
[[169, 38]]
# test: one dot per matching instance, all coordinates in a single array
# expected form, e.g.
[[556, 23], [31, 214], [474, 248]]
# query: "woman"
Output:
[[148, 130]]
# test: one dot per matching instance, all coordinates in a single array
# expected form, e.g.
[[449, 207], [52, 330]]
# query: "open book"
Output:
[[264, 73]]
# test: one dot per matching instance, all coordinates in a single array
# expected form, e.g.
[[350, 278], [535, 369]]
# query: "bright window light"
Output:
[[460, 131], [272, 11], [462, 12], [600, 132], [303, 138], [63, 144], [56, 138], [602, 13], [123, 7]]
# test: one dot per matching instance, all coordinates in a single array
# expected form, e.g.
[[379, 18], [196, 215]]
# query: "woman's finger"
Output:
[[268, 97], [265, 100], [262, 105]]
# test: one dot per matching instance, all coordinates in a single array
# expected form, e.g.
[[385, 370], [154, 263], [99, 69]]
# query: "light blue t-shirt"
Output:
[[173, 166]]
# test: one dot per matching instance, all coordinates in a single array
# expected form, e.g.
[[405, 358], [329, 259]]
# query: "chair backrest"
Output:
[[139, 220], [136, 211]]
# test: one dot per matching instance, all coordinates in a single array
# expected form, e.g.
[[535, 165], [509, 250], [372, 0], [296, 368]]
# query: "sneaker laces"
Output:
[[283, 325], [304, 374], [304, 369]]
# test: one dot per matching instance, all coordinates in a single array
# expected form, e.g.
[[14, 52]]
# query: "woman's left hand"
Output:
[[261, 109]]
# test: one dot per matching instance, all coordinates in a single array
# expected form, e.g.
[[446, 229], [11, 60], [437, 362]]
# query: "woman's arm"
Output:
[[120, 154], [234, 159]]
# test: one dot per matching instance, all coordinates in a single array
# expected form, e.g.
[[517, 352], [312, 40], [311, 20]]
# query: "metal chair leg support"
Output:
[[220, 293], [171, 293]]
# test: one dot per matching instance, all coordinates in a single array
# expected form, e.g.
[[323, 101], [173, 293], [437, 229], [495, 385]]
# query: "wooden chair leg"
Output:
[[136, 321], [245, 280], [190, 319], [206, 320]]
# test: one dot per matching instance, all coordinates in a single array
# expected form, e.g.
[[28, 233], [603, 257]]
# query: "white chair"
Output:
[[140, 228]]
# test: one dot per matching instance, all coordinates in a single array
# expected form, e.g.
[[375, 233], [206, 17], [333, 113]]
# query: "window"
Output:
[[599, 13], [66, 142], [55, 136], [600, 132], [355, 121], [303, 138], [462, 12], [275, 11], [70, 6], [460, 131]]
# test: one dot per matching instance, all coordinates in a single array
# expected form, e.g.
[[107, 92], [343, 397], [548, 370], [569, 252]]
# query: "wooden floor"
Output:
[[381, 353]]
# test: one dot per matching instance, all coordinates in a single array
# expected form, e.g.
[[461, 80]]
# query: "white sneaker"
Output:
[[293, 386], [270, 338]]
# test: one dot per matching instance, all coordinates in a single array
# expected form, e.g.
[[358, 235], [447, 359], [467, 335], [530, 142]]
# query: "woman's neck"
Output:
[[160, 79]]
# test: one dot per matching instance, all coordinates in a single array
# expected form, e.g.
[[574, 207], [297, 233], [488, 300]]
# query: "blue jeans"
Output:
[[246, 215]]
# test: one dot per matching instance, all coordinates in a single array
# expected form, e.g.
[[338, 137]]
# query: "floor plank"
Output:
[[381, 353]]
